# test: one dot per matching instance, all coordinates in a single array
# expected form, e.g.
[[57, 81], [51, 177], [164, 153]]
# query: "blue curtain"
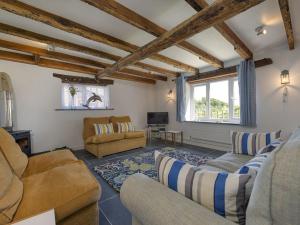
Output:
[[180, 98], [247, 83]]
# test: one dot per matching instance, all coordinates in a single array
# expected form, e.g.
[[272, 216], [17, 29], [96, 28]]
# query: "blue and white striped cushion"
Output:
[[250, 143], [221, 192], [271, 147]]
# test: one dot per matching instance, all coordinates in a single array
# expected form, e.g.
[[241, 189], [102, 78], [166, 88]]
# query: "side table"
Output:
[[174, 135]]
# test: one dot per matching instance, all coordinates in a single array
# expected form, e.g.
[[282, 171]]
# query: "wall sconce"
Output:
[[170, 97], [285, 80]]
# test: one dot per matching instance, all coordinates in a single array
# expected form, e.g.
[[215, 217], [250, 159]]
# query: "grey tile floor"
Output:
[[112, 212]]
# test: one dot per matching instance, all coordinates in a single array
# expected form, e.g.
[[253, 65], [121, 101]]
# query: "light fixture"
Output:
[[285, 80], [285, 77], [51, 48], [170, 96], [261, 30]]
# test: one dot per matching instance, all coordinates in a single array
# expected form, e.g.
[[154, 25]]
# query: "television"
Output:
[[157, 118]]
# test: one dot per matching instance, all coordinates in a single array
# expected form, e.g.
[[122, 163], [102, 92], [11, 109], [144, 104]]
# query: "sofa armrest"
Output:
[[154, 204]]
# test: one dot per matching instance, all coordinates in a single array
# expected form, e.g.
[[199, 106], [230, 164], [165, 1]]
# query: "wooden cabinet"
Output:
[[23, 139]]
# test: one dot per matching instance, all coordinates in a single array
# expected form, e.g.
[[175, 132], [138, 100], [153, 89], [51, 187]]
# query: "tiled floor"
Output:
[[112, 212]]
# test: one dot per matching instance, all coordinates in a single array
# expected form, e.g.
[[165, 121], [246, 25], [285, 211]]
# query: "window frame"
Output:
[[207, 119], [84, 96]]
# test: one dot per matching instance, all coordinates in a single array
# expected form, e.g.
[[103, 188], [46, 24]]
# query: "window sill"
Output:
[[83, 109], [216, 122]]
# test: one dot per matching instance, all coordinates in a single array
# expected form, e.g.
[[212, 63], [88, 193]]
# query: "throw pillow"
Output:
[[250, 143], [271, 147], [104, 129], [125, 127], [221, 192]]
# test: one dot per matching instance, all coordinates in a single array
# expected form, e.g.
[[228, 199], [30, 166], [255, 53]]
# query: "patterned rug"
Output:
[[115, 171]]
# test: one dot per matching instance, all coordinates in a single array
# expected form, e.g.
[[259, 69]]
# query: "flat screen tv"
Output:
[[157, 118]]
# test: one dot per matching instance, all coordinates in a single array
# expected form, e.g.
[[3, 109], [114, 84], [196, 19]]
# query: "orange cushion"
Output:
[[104, 138], [135, 134], [119, 119], [13, 153], [49, 160], [67, 189], [88, 123]]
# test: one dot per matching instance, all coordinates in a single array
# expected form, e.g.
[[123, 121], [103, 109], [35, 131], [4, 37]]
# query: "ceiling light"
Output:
[[260, 30], [51, 48]]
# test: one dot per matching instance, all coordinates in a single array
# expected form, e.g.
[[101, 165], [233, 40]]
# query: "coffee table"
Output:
[[174, 135]]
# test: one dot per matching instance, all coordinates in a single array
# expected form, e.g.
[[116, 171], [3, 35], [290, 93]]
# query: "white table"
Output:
[[46, 218]]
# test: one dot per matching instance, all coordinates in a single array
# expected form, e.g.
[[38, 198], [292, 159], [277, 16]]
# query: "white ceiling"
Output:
[[166, 13]]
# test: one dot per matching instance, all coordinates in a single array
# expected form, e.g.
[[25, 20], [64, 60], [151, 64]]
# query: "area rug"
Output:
[[115, 171]]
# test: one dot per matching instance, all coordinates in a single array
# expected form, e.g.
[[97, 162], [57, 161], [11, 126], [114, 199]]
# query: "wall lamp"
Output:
[[285, 80], [170, 97]]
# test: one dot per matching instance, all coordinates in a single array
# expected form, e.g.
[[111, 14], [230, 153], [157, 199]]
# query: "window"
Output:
[[83, 93], [216, 101]]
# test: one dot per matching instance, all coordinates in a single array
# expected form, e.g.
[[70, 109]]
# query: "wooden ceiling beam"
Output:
[[73, 59], [217, 12], [15, 31], [286, 16], [239, 46], [48, 63], [224, 72], [28, 11], [129, 16], [82, 80]]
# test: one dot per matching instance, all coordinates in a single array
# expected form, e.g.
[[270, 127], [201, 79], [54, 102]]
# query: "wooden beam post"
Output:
[[15, 31], [217, 12], [48, 63], [239, 46], [129, 16], [286, 16], [59, 22], [224, 72]]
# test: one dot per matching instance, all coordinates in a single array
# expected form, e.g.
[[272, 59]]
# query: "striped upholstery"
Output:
[[125, 127], [221, 192], [271, 147], [104, 129], [250, 143], [252, 168]]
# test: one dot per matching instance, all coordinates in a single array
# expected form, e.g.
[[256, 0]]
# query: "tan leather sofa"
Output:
[[101, 145], [55, 180]]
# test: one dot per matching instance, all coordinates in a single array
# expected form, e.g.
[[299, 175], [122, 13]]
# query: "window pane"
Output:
[[236, 99], [219, 101], [98, 91], [200, 102]]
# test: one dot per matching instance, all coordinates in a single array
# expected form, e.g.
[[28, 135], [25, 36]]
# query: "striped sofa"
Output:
[[275, 197]]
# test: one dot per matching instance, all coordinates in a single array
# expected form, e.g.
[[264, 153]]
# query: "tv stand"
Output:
[[154, 131]]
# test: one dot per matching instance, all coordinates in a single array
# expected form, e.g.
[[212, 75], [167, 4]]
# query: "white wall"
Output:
[[38, 94], [272, 113]]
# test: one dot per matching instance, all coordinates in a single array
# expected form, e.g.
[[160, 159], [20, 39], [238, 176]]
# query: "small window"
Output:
[[82, 94], [216, 101]]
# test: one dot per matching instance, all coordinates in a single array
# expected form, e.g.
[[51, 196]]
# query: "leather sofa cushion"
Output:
[[118, 119], [135, 134], [88, 123], [99, 139], [12, 152], [11, 191], [230, 162], [49, 160], [67, 189]]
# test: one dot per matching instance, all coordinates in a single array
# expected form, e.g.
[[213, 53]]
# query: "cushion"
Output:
[[98, 139], [125, 127], [229, 162], [42, 162], [67, 189], [119, 119], [221, 192], [89, 122], [252, 168], [104, 128], [135, 134], [271, 147], [13, 153], [275, 198], [250, 143], [11, 191]]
